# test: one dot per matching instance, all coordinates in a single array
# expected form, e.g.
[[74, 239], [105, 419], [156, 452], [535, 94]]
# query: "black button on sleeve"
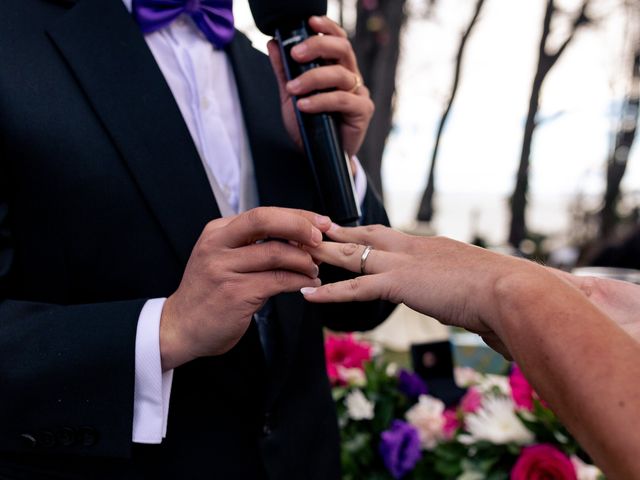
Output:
[[66, 436], [46, 439], [88, 436]]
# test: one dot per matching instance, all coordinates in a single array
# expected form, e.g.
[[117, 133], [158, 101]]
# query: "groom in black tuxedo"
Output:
[[108, 204]]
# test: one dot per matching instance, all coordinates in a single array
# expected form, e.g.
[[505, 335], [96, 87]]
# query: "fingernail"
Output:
[[300, 50], [316, 236], [316, 271], [322, 220], [303, 102], [294, 85], [316, 18], [308, 290], [334, 227]]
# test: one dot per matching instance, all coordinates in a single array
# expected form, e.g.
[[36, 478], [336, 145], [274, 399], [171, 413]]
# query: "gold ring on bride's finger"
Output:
[[363, 258], [357, 83]]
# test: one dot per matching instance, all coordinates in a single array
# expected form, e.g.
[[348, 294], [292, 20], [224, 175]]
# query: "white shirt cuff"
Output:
[[152, 389], [360, 181]]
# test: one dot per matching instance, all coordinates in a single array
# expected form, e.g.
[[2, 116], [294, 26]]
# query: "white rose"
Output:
[[353, 377], [427, 417], [358, 406]]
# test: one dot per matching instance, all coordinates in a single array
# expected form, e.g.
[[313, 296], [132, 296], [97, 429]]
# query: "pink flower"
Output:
[[344, 352], [472, 401], [521, 391], [451, 423], [544, 461]]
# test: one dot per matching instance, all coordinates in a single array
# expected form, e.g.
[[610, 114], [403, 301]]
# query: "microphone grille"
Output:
[[272, 14]]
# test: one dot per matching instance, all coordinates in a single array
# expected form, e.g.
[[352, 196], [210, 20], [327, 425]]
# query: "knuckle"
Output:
[[280, 277], [273, 251], [354, 284], [377, 228], [371, 107], [257, 217], [344, 45], [209, 229], [349, 249], [254, 217], [313, 44]]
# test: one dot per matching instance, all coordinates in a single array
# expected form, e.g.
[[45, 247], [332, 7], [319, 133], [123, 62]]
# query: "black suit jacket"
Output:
[[102, 197]]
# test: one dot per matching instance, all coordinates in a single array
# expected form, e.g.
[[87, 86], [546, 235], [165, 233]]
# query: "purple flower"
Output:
[[400, 448], [411, 384]]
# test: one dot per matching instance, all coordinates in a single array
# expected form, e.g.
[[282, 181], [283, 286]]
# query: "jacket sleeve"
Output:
[[356, 316], [66, 371]]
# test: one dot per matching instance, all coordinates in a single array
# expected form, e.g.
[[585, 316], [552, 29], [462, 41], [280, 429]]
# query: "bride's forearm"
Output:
[[580, 361]]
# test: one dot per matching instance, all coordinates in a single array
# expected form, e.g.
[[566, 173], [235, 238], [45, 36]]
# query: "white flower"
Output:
[[427, 417], [471, 475], [358, 406], [354, 377], [392, 370], [585, 471], [497, 423], [466, 377], [495, 384]]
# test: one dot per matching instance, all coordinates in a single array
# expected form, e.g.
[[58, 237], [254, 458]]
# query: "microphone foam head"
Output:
[[272, 14]]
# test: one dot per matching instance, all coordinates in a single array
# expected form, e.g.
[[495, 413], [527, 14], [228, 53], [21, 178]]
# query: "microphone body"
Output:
[[329, 164], [286, 20]]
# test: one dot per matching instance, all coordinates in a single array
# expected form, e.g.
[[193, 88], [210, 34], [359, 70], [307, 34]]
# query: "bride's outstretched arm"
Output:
[[564, 337]]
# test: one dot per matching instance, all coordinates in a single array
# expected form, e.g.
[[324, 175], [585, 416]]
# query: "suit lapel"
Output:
[[113, 65], [282, 176]]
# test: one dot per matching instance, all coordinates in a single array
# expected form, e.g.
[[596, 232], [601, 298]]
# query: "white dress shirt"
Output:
[[202, 82]]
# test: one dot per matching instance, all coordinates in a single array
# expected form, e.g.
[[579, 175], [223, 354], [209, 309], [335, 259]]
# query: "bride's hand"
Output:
[[448, 280]]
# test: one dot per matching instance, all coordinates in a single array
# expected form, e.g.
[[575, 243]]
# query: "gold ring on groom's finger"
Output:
[[363, 258], [357, 83]]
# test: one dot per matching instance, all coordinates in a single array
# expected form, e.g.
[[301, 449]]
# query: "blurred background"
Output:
[[507, 124]]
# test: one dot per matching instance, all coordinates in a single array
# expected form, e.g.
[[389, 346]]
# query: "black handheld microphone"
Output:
[[286, 20]]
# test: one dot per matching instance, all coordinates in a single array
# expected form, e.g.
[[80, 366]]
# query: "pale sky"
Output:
[[481, 147]]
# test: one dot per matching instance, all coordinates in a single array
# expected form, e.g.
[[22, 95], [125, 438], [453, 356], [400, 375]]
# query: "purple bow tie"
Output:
[[213, 17]]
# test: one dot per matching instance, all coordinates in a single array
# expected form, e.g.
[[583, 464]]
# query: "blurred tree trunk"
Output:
[[546, 61], [377, 45], [425, 210], [617, 162]]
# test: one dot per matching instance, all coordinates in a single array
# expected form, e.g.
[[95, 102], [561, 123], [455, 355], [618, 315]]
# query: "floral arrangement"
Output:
[[392, 428]]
